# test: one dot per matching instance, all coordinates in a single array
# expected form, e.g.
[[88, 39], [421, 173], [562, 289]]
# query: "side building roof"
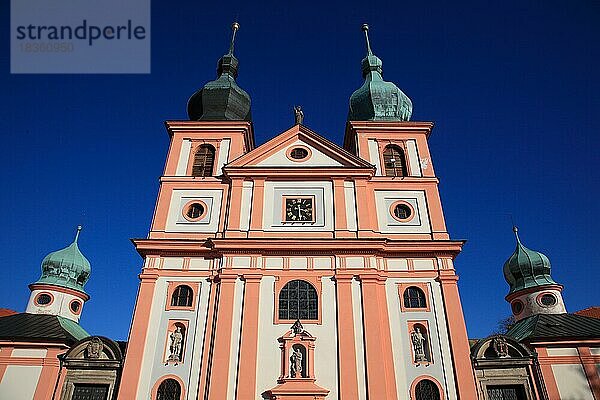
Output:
[[555, 326], [38, 327], [592, 312]]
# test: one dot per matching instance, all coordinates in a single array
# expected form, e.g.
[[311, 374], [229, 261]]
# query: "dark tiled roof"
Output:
[[555, 326], [593, 312], [38, 327]]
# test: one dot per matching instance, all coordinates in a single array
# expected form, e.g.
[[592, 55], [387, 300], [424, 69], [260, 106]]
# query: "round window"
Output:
[[194, 211], [75, 306], [402, 211], [517, 307], [547, 300], [43, 299], [299, 153]]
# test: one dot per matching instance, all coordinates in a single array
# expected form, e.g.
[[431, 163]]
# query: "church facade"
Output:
[[298, 269]]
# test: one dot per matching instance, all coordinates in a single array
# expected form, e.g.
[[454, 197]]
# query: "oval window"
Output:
[[547, 300], [299, 153], [402, 211], [517, 307], [194, 211], [75, 307], [43, 299]]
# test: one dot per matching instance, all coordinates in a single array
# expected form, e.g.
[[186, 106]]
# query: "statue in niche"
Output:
[[500, 346], [94, 348], [418, 342], [298, 115], [176, 344], [296, 363]]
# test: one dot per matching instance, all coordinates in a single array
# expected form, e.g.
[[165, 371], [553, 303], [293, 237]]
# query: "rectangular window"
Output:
[[506, 392], [90, 392]]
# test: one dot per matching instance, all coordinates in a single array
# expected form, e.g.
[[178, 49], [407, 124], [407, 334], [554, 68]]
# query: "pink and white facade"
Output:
[[228, 251]]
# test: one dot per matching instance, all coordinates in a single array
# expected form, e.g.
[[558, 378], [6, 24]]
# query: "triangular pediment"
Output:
[[287, 149]]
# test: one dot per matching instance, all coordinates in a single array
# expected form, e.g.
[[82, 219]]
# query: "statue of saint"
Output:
[[296, 364], [299, 115], [176, 343], [418, 342]]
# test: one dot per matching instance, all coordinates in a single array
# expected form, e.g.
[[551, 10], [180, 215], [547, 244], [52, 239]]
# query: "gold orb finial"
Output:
[[234, 27], [365, 29]]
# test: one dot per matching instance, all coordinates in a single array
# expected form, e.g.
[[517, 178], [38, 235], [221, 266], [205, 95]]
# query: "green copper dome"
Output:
[[376, 99], [221, 99], [527, 268], [66, 268]]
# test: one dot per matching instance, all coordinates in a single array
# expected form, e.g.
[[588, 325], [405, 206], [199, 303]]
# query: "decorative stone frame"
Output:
[[315, 281], [187, 205], [163, 378], [80, 368], [293, 388], [420, 378], [421, 285], [423, 324], [287, 343], [288, 153], [195, 145], [284, 199], [195, 286], [517, 368], [37, 296], [404, 203], [171, 325]]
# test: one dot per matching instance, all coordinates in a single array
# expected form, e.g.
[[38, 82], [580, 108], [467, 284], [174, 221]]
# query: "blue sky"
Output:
[[513, 89]]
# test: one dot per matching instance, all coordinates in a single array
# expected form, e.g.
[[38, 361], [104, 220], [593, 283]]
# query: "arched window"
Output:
[[298, 300], [414, 298], [204, 160], [394, 161], [169, 389], [427, 390], [182, 296]]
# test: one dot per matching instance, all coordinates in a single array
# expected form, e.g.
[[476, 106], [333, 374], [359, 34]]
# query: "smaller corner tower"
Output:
[[59, 291], [532, 289]]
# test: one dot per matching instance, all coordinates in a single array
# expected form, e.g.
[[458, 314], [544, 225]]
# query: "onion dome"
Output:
[[376, 99], [221, 99], [67, 268], [526, 268]]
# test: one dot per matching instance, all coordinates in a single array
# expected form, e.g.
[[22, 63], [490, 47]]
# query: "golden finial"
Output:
[[79, 228], [234, 27], [365, 29]]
